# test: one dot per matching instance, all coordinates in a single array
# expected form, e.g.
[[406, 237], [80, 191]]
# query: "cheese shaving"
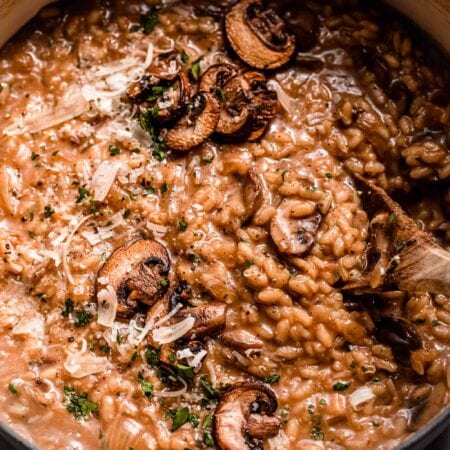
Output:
[[170, 333], [107, 306], [65, 250], [288, 103], [360, 396], [31, 326], [103, 179], [82, 363], [177, 393]]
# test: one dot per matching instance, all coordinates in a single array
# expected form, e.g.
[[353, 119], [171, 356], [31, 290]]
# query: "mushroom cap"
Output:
[[197, 125], [209, 319], [241, 339], [135, 272], [245, 411], [247, 106], [216, 76], [294, 236], [258, 35]]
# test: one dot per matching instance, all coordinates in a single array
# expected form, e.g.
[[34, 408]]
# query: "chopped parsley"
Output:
[[208, 438], [118, 338], [182, 225], [329, 175], [114, 150], [195, 69], [272, 379], [154, 94], [135, 150], [392, 218], [126, 213], [147, 387], [185, 372], [181, 416], [149, 20], [152, 356], [164, 282], [341, 386], [83, 193], [68, 308], [149, 191], [316, 431], [375, 424], [164, 188], [184, 57], [210, 393], [78, 404], [159, 152], [48, 211], [435, 323], [12, 389], [81, 317]]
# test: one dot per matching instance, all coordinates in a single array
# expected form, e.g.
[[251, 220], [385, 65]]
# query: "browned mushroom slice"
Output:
[[197, 125], [294, 236], [253, 194], [258, 35], [235, 114], [209, 319], [136, 272], [245, 414], [241, 340], [247, 107], [164, 100], [214, 79]]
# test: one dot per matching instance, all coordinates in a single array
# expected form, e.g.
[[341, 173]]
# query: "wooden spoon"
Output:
[[400, 255]]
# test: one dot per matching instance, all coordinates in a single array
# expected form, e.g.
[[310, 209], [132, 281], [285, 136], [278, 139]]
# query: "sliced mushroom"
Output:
[[247, 107], [136, 272], [258, 35], [400, 335], [294, 236], [197, 125], [245, 414], [241, 340], [253, 194], [214, 79], [164, 100], [209, 319]]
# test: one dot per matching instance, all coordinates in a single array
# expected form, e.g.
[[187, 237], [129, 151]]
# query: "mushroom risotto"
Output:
[[190, 257]]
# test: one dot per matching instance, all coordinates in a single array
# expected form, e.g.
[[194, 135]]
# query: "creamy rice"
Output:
[[367, 95]]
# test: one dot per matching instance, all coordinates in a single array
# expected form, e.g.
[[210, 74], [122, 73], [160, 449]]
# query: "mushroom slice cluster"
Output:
[[136, 272], [294, 236], [197, 125], [245, 415], [258, 35], [164, 91], [247, 107]]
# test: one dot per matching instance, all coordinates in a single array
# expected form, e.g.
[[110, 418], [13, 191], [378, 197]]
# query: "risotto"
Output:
[[179, 226]]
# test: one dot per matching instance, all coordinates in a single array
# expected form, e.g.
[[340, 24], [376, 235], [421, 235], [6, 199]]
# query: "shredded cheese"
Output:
[[170, 333]]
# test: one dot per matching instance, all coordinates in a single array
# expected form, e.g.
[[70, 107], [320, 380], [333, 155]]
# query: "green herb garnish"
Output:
[[341, 386], [78, 404], [182, 225], [48, 211], [114, 150], [149, 20], [195, 69], [272, 379]]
